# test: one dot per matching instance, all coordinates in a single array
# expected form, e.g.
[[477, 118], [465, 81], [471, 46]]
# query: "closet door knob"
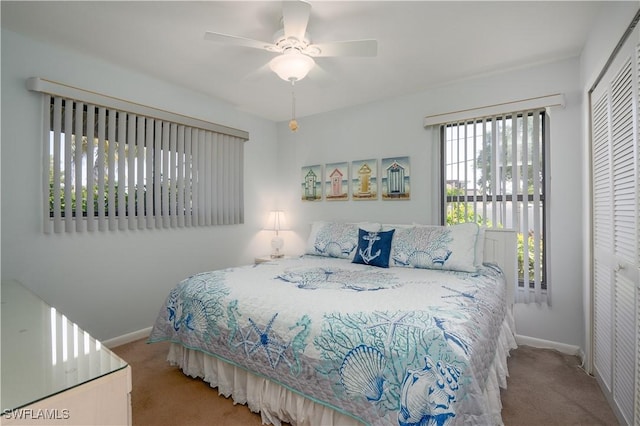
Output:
[[618, 267]]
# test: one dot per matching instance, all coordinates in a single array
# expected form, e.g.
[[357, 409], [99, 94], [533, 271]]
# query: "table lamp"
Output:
[[276, 222]]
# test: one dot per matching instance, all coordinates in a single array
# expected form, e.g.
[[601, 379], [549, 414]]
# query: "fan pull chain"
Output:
[[293, 124]]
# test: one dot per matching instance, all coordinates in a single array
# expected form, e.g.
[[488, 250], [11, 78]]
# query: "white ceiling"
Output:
[[421, 44]]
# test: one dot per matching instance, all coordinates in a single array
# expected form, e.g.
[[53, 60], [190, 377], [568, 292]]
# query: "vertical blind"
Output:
[[493, 173], [108, 168]]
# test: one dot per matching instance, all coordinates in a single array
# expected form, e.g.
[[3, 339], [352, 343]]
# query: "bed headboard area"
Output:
[[340, 239], [500, 248]]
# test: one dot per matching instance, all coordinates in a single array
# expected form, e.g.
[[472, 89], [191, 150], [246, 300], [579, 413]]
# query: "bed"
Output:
[[375, 324]]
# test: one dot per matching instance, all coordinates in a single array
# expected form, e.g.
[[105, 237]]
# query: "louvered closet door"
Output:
[[624, 238], [616, 241], [602, 241], [637, 390]]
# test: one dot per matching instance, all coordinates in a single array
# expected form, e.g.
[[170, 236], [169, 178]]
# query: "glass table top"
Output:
[[43, 353]]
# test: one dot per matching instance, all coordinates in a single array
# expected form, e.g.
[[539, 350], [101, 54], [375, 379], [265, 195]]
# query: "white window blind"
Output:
[[493, 173], [111, 165]]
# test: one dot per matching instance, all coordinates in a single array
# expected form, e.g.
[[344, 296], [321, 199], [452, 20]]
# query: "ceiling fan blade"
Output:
[[240, 41], [345, 48], [295, 17]]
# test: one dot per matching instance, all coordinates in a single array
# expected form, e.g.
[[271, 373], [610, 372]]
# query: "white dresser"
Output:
[[53, 372]]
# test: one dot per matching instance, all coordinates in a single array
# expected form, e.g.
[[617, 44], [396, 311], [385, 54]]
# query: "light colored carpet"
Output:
[[545, 388]]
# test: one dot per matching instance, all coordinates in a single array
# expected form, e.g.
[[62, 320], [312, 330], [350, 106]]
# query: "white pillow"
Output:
[[479, 256], [451, 248], [336, 239]]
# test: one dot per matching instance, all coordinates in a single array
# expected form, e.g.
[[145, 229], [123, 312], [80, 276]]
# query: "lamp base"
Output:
[[276, 246]]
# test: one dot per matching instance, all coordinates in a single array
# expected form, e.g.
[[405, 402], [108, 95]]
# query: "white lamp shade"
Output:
[[276, 221], [292, 65]]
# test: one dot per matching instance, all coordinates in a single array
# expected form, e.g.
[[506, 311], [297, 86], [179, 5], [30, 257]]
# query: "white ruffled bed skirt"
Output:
[[276, 404]]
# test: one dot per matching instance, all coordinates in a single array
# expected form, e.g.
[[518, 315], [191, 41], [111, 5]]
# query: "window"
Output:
[[494, 174], [117, 169]]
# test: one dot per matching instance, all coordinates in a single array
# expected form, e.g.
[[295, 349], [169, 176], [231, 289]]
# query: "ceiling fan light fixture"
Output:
[[292, 65]]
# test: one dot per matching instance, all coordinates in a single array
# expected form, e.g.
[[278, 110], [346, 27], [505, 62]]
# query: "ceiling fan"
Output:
[[294, 44]]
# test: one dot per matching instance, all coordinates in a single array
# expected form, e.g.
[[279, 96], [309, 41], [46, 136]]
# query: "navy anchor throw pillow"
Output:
[[374, 248]]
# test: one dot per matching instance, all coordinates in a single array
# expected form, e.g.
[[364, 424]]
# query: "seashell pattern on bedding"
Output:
[[361, 372], [427, 394], [414, 352]]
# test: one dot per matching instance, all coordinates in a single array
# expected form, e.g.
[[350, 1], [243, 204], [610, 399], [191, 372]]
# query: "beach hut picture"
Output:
[[364, 181], [336, 186], [311, 183], [395, 178]]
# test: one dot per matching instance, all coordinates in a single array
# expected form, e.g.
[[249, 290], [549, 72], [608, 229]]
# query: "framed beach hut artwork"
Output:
[[395, 182], [336, 183], [364, 179], [312, 183]]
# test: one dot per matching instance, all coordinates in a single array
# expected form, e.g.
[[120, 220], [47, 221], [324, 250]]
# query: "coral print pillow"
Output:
[[332, 239], [374, 248], [437, 247], [336, 239]]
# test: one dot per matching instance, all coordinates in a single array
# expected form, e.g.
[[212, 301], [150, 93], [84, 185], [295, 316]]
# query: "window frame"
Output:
[[480, 198], [220, 164]]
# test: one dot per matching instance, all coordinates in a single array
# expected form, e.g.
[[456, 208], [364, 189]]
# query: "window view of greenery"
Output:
[[92, 173], [492, 187], [99, 158], [125, 170]]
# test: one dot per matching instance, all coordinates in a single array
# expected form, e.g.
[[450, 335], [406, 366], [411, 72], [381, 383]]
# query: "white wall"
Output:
[[122, 278], [113, 283], [394, 128], [603, 37]]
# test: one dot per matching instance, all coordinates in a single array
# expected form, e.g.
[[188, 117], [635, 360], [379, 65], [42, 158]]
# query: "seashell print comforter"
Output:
[[397, 346]]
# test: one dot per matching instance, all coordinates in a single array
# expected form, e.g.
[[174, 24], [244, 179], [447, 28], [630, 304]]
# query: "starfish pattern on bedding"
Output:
[[470, 297], [392, 322], [273, 349]]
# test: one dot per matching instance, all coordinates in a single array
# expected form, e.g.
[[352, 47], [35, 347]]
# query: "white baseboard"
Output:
[[548, 344], [127, 338]]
